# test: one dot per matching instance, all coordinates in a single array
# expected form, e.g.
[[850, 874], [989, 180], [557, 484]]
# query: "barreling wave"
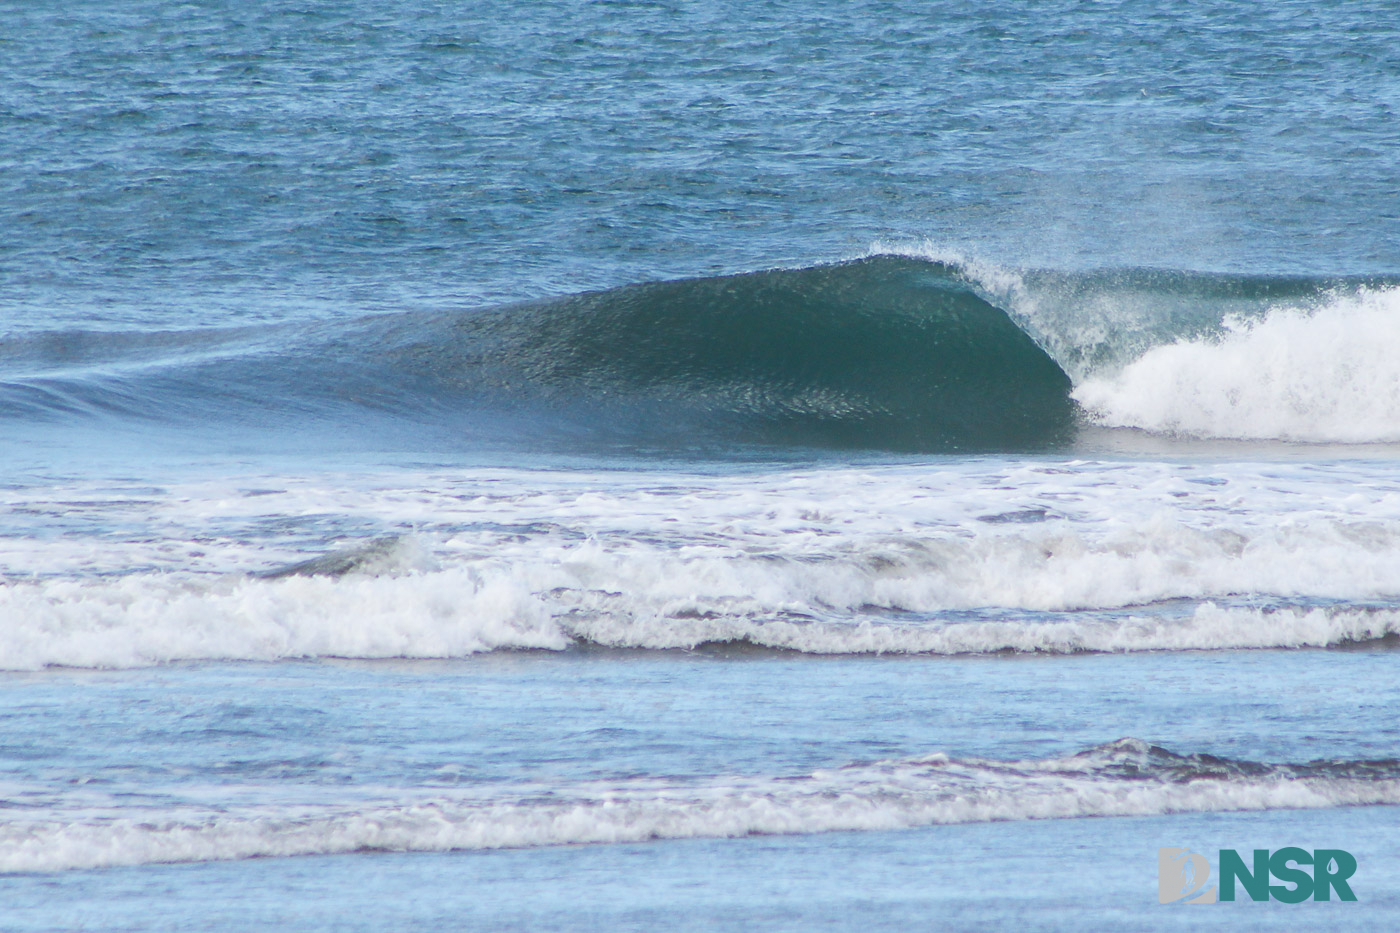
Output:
[[886, 352], [1129, 777], [898, 351]]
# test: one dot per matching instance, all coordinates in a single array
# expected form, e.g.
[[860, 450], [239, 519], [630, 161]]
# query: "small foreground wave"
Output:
[[1209, 627], [1124, 778], [145, 619]]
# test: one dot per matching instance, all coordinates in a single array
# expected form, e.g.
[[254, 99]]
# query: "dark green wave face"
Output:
[[887, 352], [884, 353]]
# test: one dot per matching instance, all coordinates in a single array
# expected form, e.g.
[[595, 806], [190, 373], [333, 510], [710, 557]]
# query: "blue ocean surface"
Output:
[[609, 465]]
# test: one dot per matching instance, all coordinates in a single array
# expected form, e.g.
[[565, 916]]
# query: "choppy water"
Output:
[[694, 436]]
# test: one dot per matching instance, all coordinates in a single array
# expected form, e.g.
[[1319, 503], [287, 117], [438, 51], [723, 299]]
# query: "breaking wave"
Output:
[[1124, 778], [913, 351], [143, 619], [886, 352]]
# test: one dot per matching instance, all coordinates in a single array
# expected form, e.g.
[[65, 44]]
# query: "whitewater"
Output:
[[970, 557]]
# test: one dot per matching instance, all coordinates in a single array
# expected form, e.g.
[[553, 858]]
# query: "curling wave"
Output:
[[912, 351], [886, 352]]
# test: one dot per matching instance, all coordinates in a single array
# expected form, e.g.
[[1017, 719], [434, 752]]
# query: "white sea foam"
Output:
[[899, 794], [142, 620], [150, 618], [1209, 627], [974, 557], [1325, 375]]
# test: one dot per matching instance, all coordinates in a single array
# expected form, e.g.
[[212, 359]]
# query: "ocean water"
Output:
[[605, 465]]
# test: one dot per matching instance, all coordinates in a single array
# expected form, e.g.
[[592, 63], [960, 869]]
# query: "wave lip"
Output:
[[1125, 778]]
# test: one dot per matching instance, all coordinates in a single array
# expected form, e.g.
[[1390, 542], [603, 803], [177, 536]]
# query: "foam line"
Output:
[[1127, 778]]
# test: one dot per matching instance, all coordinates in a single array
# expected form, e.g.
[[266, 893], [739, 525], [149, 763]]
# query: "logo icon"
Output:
[[1180, 874]]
